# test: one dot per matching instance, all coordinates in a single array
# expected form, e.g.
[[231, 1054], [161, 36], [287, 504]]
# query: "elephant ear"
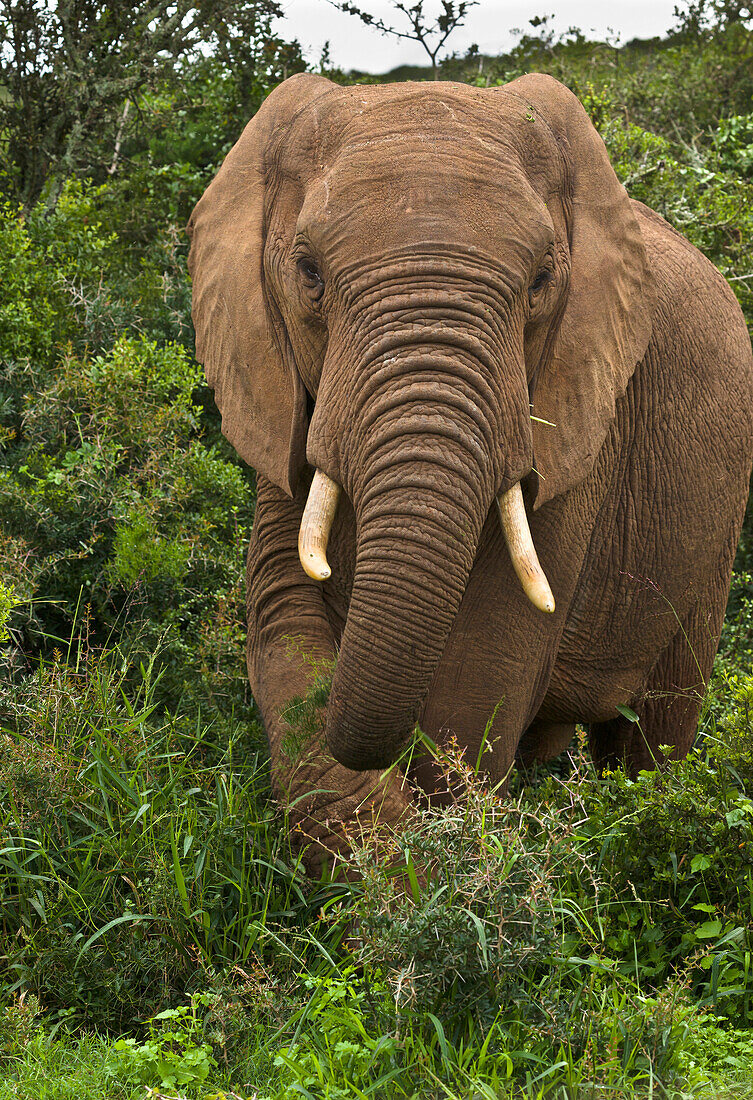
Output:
[[606, 323], [256, 386]]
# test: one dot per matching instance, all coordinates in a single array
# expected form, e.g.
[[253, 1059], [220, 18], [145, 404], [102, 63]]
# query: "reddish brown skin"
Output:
[[478, 260]]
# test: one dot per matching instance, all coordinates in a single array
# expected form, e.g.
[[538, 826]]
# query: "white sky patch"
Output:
[[355, 46]]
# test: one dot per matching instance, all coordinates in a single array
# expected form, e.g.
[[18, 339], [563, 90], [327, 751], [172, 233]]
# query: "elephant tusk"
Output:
[[318, 516], [525, 562]]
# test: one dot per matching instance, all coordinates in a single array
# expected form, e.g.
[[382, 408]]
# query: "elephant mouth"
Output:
[[319, 515]]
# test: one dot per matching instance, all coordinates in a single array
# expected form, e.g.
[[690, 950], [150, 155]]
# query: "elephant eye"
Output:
[[311, 276], [542, 280]]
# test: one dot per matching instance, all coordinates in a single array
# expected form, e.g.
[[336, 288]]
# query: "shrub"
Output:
[[6, 606], [710, 206], [477, 936], [675, 852], [341, 1058], [173, 1056], [489, 935], [570, 931], [130, 516], [734, 144], [714, 1051]]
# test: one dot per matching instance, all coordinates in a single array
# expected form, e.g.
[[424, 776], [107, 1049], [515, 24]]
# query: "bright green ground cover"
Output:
[[587, 936]]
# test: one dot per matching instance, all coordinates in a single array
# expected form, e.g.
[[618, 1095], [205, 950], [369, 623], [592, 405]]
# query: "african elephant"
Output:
[[430, 298]]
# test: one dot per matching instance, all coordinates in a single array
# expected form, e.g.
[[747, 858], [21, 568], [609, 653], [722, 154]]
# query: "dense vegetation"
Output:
[[585, 935]]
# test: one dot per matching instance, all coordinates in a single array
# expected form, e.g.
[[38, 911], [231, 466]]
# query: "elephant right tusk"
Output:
[[525, 561], [318, 516]]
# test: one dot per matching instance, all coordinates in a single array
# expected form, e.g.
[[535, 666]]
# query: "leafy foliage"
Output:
[[73, 74], [140, 851], [555, 945], [174, 1055], [115, 498]]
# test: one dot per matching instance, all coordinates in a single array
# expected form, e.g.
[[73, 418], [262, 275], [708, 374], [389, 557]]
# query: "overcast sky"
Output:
[[354, 46]]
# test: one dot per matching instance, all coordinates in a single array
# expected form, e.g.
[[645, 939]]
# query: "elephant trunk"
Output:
[[438, 422], [416, 547]]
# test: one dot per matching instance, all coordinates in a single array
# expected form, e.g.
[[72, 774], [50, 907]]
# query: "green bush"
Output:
[[114, 504], [576, 929], [477, 937], [479, 920], [734, 144], [68, 279], [675, 849], [736, 645], [7, 604], [173, 1056], [710, 206], [343, 1059]]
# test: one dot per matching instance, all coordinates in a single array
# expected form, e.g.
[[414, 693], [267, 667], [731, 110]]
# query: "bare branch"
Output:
[[430, 34]]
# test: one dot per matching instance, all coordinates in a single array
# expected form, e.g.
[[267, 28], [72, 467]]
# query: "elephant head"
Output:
[[429, 293]]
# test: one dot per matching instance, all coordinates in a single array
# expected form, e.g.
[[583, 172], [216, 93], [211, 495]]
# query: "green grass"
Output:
[[58, 1069], [567, 940], [336, 1056], [137, 852]]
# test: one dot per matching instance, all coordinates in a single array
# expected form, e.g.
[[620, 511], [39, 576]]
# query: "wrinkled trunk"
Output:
[[415, 552], [424, 474], [437, 421]]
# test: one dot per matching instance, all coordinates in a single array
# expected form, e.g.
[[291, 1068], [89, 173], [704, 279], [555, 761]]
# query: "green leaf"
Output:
[[626, 712], [700, 863], [481, 936], [412, 877], [180, 881], [709, 930], [112, 924], [442, 1039]]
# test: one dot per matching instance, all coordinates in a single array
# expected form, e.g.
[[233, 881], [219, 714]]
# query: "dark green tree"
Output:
[[72, 74]]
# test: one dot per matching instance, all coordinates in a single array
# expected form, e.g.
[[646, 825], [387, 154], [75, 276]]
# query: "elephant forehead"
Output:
[[422, 188], [480, 127], [368, 113]]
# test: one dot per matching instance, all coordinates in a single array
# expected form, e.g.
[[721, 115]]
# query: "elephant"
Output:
[[501, 419]]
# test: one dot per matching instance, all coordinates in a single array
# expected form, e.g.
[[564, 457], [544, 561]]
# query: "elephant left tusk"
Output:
[[316, 524], [525, 561]]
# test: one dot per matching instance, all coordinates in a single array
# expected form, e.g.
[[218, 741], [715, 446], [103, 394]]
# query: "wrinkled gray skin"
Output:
[[388, 282]]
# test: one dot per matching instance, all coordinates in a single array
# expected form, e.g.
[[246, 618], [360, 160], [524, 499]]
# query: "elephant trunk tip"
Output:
[[373, 758], [357, 742]]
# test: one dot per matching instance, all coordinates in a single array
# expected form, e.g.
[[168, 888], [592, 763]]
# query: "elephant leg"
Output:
[[543, 740], [494, 672], [291, 650], [670, 704]]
